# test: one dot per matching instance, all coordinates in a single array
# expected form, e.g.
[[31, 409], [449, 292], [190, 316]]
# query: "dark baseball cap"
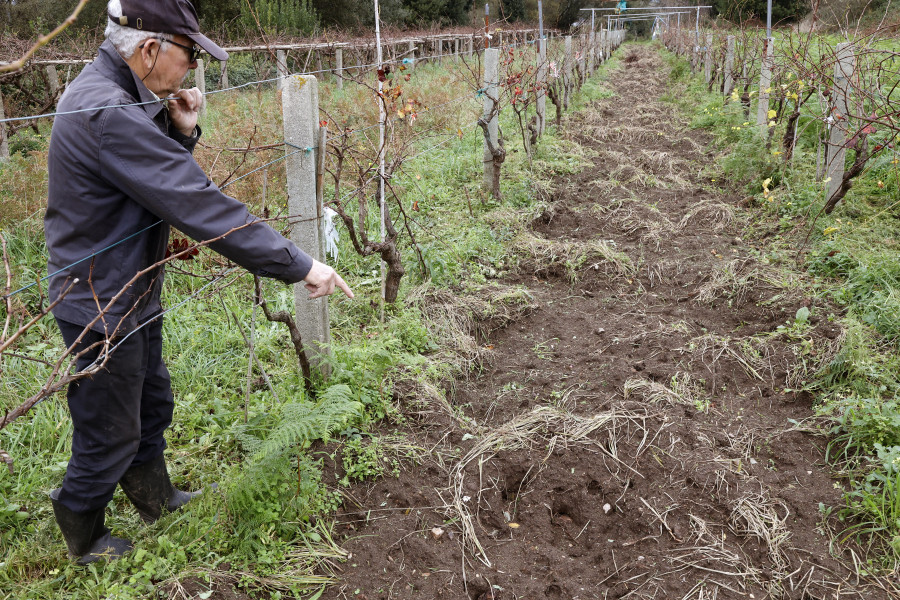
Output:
[[167, 16]]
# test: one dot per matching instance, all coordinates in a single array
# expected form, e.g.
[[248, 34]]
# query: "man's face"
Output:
[[171, 66]]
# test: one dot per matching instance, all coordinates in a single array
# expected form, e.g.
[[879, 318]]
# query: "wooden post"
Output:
[[200, 83], [765, 80], [339, 67], [729, 66], [4, 144], [840, 117], [439, 50], [300, 107], [223, 75], [707, 59], [281, 66], [412, 54], [491, 95]]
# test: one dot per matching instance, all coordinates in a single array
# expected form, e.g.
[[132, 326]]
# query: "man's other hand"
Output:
[[322, 279], [185, 110]]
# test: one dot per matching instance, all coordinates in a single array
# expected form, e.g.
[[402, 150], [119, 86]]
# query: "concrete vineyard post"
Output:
[[567, 70], [729, 66], [455, 48], [491, 96], [200, 82], [339, 67], [765, 80], [471, 45], [591, 52], [412, 54], [4, 144], [840, 117], [300, 107], [53, 79], [541, 85], [223, 75], [707, 59], [281, 65]]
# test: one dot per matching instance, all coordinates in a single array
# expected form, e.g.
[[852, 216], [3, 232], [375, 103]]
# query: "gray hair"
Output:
[[127, 39]]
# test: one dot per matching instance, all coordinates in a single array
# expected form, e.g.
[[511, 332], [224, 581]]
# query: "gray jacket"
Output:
[[114, 173]]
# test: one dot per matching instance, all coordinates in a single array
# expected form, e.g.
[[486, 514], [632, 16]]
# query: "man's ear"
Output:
[[149, 49]]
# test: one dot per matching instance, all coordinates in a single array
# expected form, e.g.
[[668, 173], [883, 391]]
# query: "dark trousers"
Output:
[[119, 414]]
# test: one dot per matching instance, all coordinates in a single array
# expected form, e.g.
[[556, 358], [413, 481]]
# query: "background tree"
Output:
[[513, 10]]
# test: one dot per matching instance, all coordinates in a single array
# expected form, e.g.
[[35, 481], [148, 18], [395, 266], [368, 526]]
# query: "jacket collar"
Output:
[[112, 66]]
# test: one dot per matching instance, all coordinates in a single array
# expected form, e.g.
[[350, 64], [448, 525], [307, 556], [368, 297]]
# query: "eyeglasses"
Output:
[[193, 52]]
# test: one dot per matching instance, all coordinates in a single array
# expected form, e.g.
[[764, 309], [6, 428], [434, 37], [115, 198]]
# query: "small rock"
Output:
[[752, 461], [607, 508], [600, 331], [437, 533]]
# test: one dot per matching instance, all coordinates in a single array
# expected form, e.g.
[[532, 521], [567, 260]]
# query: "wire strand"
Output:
[[228, 89]]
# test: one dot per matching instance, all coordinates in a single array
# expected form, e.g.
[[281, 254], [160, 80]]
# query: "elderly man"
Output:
[[120, 173]]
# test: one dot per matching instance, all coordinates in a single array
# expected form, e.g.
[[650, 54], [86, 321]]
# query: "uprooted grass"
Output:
[[542, 255], [549, 426], [683, 389]]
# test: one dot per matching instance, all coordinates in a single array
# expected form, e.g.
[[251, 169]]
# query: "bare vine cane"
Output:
[[283, 316], [43, 40]]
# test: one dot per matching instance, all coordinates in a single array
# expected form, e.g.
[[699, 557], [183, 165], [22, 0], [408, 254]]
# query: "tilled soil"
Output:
[[636, 434]]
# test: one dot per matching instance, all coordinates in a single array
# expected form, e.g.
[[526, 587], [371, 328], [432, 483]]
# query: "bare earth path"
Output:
[[634, 434]]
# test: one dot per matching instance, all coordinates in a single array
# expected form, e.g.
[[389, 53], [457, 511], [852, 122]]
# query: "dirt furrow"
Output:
[[635, 433]]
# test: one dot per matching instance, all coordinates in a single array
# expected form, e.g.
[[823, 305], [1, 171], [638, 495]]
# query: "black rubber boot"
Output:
[[86, 534], [150, 490]]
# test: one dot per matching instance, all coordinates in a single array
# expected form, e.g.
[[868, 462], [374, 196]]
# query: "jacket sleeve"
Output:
[[159, 173], [187, 142]]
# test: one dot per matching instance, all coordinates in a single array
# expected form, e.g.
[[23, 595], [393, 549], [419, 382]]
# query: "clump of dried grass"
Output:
[[682, 389], [757, 515], [734, 280], [544, 424], [572, 254], [709, 212], [457, 318], [710, 348]]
